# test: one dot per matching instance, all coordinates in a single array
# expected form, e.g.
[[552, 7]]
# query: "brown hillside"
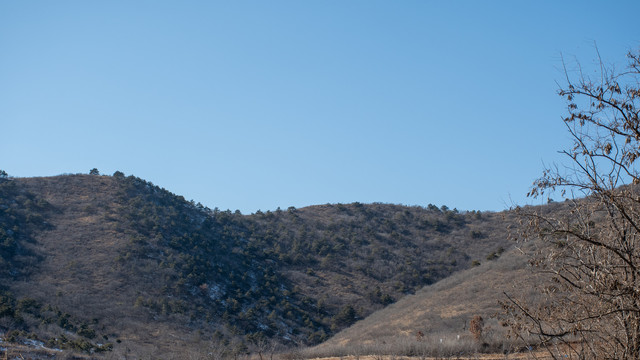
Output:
[[442, 310], [79, 273], [114, 262], [436, 319]]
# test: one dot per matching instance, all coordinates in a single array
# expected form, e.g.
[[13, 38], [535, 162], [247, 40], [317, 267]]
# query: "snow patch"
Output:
[[34, 343], [215, 292]]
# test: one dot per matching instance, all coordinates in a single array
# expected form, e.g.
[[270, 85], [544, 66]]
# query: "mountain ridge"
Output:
[[113, 245]]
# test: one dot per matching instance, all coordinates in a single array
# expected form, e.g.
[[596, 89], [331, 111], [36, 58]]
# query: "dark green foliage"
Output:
[[20, 214], [28, 305], [317, 337], [7, 305], [14, 335], [85, 331], [345, 317], [16, 309], [496, 254], [81, 345], [377, 296]]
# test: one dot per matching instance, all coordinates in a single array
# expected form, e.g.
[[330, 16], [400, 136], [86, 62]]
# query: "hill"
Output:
[[435, 320], [97, 263]]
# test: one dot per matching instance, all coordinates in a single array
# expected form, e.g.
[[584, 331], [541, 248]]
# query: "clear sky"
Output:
[[262, 104]]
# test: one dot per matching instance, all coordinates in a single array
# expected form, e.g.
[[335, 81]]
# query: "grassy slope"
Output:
[[443, 309]]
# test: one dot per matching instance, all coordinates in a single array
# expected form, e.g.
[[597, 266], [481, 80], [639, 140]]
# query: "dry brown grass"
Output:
[[441, 312], [537, 355]]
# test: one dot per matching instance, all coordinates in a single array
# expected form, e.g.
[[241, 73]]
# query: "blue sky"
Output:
[[262, 104]]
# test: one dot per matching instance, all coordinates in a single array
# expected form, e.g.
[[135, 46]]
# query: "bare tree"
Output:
[[264, 347], [476, 325], [591, 242]]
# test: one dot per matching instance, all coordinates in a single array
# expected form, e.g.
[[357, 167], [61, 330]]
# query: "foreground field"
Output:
[[34, 354], [538, 355]]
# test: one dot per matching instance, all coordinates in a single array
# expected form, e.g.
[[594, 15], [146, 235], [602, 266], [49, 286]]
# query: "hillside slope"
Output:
[[368, 256], [439, 314], [435, 321], [114, 262]]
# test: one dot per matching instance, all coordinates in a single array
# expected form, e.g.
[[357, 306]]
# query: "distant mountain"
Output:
[[113, 263]]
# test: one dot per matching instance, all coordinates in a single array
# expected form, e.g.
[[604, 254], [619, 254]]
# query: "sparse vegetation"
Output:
[[442, 310], [134, 248]]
